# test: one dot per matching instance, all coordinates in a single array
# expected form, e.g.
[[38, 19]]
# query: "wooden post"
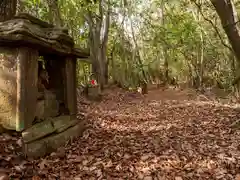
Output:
[[70, 89], [27, 65]]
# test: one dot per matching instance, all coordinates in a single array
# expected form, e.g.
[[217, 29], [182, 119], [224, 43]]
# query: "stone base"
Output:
[[2, 129], [52, 142], [94, 94]]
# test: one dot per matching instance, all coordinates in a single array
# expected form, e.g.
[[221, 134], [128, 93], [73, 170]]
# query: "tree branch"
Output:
[[213, 25]]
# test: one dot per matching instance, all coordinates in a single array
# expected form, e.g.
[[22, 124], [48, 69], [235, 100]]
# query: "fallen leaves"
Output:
[[178, 178], [160, 136], [43, 164]]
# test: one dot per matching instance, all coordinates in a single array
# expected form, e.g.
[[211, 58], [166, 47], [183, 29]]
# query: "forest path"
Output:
[[165, 135]]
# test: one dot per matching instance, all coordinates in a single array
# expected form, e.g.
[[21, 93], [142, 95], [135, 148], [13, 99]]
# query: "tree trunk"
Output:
[[229, 19], [164, 52], [106, 72], [98, 38], [142, 82], [166, 69], [104, 60], [7, 9]]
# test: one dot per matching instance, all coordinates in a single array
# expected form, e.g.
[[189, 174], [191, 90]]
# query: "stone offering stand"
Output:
[[38, 83]]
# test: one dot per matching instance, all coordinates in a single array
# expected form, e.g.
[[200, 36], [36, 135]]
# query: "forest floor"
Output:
[[164, 135]]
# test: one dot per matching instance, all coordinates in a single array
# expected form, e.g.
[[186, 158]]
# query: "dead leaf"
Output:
[[109, 164], [126, 156], [36, 178], [147, 178], [98, 172], [19, 142], [118, 167], [4, 176], [92, 168], [237, 177], [84, 162], [140, 176], [43, 164], [77, 178], [144, 157], [178, 178]]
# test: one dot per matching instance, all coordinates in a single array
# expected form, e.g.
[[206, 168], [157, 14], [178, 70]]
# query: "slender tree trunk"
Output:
[[142, 83], [165, 54], [198, 65], [166, 70], [201, 50], [106, 72], [7, 9]]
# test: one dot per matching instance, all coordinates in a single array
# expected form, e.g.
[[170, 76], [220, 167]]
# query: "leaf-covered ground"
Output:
[[165, 135]]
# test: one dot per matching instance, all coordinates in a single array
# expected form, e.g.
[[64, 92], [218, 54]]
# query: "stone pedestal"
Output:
[[45, 137], [94, 93]]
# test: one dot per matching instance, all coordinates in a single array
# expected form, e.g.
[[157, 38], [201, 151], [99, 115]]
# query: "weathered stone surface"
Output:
[[67, 125], [47, 107], [47, 127], [51, 104], [27, 65], [22, 40], [8, 86], [39, 111], [60, 121], [38, 130], [49, 144], [26, 29]]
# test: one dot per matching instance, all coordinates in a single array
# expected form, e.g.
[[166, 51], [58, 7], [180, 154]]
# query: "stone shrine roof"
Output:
[[26, 30]]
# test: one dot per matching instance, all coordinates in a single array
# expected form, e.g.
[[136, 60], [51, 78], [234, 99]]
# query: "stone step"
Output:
[[45, 146], [46, 127]]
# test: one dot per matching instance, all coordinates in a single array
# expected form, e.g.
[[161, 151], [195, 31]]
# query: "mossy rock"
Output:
[[46, 145], [48, 126]]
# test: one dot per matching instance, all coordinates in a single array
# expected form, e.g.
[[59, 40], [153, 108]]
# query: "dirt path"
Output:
[[162, 136]]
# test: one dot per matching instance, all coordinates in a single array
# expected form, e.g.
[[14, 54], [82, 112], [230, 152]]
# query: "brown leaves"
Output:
[[43, 164], [36, 178], [161, 136], [178, 178]]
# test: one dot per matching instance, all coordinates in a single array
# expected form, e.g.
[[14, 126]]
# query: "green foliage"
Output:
[[172, 32]]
